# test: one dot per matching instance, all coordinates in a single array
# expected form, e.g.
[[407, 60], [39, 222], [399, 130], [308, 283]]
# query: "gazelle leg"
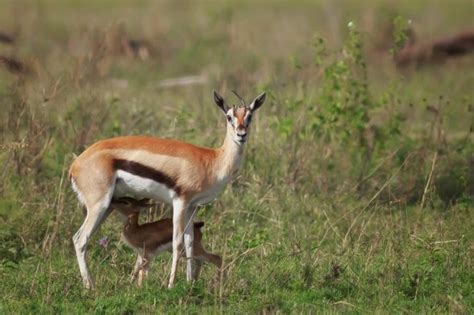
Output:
[[95, 216], [197, 268], [215, 259], [143, 271], [179, 216], [202, 255], [136, 268], [188, 242]]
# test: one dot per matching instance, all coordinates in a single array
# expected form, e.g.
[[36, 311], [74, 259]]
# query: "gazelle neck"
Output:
[[132, 220], [231, 155]]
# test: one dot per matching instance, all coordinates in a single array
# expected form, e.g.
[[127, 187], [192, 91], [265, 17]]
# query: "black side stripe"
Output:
[[146, 172]]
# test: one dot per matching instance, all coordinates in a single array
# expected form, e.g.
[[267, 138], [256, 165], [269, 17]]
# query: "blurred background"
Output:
[[357, 188]]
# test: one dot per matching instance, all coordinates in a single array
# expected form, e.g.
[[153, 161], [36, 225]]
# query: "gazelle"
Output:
[[172, 171], [150, 239]]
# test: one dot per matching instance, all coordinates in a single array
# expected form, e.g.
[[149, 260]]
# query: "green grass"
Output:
[[356, 192]]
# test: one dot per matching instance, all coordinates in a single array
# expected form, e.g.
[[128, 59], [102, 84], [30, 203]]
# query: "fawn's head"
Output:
[[239, 117], [130, 207]]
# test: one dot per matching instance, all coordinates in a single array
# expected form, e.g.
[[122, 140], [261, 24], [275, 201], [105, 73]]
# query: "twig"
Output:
[[376, 168], [445, 242], [33, 282], [428, 181], [374, 197], [259, 215], [59, 203], [330, 225], [183, 81], [421, 240], [344, 303], [4, 170], [240, 256]]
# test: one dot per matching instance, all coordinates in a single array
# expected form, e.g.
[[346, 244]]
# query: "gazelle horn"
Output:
[[242, 101]]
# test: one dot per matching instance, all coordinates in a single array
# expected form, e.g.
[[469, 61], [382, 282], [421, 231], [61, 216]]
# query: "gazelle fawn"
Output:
[[150, 239], [172, 171]]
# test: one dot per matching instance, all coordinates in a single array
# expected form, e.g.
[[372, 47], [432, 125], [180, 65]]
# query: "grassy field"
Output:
[[357, 191]]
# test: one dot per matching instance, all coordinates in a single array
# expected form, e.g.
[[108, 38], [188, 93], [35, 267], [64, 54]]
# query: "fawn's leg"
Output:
[[203, 255], [143, 271], [197, 268], [136, 268]]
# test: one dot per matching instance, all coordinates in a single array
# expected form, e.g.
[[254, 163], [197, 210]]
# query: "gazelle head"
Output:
[[239, 117]]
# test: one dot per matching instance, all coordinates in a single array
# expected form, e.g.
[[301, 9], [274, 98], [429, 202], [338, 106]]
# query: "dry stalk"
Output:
[[331, 225], [344, 243], [59, 203], [428, 181], [245, 253], [222, 274], [4, 171], [389, 157]]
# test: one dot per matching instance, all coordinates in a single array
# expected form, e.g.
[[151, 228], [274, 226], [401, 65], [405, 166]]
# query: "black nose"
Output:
[[242, 137]]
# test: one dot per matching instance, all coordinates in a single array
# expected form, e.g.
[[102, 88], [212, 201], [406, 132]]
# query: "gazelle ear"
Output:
[[257, 102], [220, 102]]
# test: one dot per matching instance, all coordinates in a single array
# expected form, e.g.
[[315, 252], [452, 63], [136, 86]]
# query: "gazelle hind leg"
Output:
[[217, 260], [96, 214], [93, 220], [203, 256], [197, 268]]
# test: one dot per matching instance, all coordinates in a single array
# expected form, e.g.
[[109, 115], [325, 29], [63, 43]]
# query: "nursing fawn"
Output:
[[150, 239]]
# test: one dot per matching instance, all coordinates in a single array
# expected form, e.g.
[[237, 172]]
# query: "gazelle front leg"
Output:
[[188, 242], [179, 219]]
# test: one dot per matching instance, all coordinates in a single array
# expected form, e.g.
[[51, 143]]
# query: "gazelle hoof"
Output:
[[88, 285]]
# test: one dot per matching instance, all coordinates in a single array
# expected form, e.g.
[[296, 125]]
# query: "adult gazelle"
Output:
[[172, 171]]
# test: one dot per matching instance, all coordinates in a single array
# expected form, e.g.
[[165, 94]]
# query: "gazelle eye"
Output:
[[248, 119], [229, 118]]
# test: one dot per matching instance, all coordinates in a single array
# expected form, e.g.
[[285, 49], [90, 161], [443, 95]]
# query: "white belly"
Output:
[[135, 186]]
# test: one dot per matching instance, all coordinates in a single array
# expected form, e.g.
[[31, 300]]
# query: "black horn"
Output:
[[242, 101]]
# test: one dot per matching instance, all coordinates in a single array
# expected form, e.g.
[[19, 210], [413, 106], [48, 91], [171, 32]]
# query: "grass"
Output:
[[356, 192]]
